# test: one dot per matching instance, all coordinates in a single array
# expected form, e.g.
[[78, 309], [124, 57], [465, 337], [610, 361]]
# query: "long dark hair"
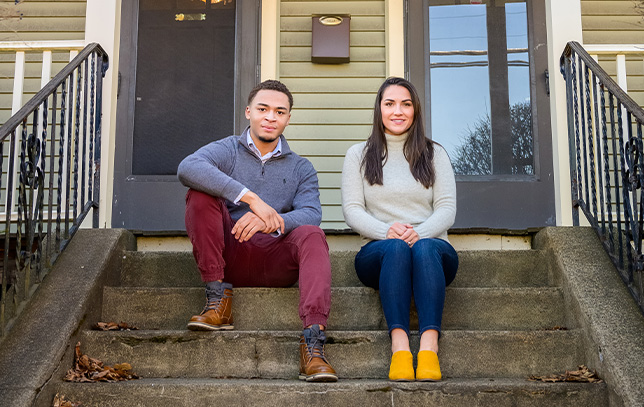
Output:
[[418, 149]]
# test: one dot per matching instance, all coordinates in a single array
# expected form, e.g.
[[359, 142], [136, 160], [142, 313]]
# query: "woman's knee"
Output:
[[397, 248], [427, 245]]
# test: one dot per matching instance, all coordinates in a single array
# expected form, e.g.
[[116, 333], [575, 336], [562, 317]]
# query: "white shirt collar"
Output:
[[277, 151]]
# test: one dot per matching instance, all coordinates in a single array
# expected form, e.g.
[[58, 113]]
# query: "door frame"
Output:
[[478, 196], [162, 196]]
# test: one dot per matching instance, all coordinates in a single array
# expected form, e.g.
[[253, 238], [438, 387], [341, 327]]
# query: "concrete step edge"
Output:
[[346, 392], [364, 354], [180, 290]]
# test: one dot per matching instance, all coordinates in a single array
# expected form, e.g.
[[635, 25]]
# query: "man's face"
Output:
[[269, 114]]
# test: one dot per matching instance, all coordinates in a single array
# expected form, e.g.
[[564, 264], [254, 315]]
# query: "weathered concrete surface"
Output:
[[354, 354], [477, 268], [608, 315], [71, 292], [353, 308], [354, 393]]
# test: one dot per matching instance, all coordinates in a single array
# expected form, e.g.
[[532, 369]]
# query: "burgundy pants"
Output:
[[262, 261]]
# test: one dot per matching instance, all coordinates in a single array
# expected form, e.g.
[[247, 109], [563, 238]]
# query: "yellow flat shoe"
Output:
[[402, 366], [428, 369]]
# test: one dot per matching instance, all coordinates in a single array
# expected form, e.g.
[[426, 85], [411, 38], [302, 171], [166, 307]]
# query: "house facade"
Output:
[[487, 72]]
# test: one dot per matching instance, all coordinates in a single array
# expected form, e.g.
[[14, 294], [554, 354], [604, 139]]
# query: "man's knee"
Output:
[[201, 201], [309, 230], [309, 236]]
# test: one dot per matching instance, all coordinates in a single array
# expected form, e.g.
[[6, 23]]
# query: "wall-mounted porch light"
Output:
[[330, 39]]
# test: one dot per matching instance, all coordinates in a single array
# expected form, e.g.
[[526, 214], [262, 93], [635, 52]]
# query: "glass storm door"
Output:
[[486, 101], [181, 74]]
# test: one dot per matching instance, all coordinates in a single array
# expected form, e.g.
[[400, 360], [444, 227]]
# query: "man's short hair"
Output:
[[271, 84]]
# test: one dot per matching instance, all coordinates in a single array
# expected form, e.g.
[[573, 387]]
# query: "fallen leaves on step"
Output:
[[61, 401], [583, 375], [557, 328], [113, 326], [88, 369]]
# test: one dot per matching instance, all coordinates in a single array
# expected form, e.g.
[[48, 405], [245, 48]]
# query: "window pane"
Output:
[[519, 88], [480, 86]]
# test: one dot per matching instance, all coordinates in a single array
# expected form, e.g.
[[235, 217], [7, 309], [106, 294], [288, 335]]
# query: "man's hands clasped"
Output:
[[263, 218]]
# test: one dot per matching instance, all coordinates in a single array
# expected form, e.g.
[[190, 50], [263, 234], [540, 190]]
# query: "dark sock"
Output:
[[215, 289]]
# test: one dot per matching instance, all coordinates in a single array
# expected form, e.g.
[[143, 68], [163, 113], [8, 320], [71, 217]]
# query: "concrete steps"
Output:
[[355, 393], [354, 354], [477, 268], [498, 320], [353, 308]]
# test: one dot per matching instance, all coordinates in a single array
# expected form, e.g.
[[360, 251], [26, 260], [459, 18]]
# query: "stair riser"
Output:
[[354, 355], [352, 308], [341, 394], [476, 269]]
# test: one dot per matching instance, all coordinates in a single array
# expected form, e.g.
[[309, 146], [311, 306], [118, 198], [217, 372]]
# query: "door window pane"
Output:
[[184, 95], [480, 108]]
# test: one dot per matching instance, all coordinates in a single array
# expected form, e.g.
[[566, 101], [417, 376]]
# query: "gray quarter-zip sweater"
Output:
[[288, 182]]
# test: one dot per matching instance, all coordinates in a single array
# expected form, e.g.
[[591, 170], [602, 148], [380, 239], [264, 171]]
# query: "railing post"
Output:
[[102, 65], [574, 187]]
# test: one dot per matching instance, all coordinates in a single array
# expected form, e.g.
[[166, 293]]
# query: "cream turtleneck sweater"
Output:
[[370, 210]]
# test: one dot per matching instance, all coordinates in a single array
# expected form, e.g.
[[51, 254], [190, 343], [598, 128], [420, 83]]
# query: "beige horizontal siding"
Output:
[[317, 116], [613, 37], [30, 20], [14, 27], [335, 85], [355, 69], [357, 8], [42, 20], [356, 54], [608, 7], [617, 22], [363, 39], [355, 131], [331, 101], [611, 22], [333, 106]]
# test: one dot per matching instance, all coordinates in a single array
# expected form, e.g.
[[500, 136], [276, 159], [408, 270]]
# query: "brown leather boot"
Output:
[[313, 364], [217, 315]]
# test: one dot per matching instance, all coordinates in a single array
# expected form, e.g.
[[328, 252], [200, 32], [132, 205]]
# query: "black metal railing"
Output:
[[606, 162], [51, 150]]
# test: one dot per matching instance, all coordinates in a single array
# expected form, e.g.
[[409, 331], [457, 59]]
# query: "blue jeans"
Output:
[[398, 271]]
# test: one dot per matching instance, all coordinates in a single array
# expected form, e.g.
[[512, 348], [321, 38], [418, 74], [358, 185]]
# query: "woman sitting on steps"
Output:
[[399, 193]]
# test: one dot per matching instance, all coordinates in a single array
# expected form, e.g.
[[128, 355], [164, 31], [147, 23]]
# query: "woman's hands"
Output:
[[403, 231]]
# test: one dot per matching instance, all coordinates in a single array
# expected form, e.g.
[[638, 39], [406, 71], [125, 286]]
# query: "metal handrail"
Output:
[[56, 116], [606, 167]]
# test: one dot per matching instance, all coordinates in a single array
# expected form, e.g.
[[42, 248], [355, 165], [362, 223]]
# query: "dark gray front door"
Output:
[[482, 71], [185, 66]]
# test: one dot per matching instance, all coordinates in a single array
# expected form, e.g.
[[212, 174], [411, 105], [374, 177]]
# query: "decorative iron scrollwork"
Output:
[[31, 193], [634, 170]]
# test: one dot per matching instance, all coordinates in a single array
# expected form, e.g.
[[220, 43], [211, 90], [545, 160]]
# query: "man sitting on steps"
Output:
[[253, 214]]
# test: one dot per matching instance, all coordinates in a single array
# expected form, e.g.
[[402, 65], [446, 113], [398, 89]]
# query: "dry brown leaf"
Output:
[[113, 326], [61, 401], [557, 328], [582, 375], [88, 369]]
